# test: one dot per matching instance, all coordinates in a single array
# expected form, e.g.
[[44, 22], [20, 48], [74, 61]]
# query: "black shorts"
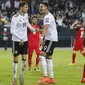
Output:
[[17, 49], [49, 47]]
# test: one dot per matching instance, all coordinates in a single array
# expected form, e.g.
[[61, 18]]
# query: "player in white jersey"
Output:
[[19, 24], [51, 39]]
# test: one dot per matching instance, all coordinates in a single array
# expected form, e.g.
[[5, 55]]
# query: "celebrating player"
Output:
[[79, 42], [51, 38], [19, 24], [33, 44]]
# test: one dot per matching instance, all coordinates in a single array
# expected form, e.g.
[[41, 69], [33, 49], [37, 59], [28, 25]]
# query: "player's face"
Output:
[[25, 8], [43, 8], [34, 21]]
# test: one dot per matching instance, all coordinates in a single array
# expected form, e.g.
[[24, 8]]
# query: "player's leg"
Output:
[[50, 49], [75, 48], [37, 57], [30, 53], [15, 51], [23, 63], [43, 63], [83, 53], [83, 77], [50, 69], [82, 49], [73, 58], [15, 65]]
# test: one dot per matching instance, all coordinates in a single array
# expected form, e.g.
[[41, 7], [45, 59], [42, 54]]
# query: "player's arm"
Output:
[[47, 22], [13, 28], [41, 36], [45, 29], [82, 33], [73, 25], [29, 25], [31, 28]]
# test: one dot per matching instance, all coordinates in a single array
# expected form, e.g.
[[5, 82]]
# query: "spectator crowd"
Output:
[[65, 11]]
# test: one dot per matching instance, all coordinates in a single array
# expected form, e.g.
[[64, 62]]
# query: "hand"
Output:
[[21, 43], [76, 22], [42, 42], [39, 30]]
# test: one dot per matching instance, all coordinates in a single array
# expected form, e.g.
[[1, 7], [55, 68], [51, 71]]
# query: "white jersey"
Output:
[[51, 34], [19, 27]]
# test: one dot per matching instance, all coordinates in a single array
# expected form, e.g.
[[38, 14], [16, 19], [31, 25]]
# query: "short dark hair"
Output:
[[34, 16], [45, 3], [22, 4]]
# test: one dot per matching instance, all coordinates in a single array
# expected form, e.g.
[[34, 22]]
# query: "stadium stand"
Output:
[[65, 12]]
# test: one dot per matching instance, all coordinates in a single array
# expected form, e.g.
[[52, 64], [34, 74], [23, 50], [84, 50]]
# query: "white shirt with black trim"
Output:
[[52, 33], [19, 26]]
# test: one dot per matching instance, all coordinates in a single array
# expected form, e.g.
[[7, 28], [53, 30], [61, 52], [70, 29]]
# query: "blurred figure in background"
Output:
[[8, 8], [79, 40], [16, 4], [5, 38]]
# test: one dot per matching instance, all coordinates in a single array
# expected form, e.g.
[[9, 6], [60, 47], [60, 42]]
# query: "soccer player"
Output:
[[34, 43], [19, 24], [79, 41], [51, 38]]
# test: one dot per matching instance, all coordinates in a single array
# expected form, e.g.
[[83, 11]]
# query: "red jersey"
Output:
[[79, 33], [33, 37]]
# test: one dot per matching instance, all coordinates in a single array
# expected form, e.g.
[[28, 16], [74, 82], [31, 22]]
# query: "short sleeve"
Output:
[[47, 20]]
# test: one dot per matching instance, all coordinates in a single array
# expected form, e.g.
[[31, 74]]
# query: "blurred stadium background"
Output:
[[65, 12]]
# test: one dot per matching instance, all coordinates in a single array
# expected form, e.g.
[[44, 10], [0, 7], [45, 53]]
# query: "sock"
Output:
[[15, 69], [73, 57], [29, 61], [43, 64], [50, 67], [83, 54], [23, 65], [83, 72], [37, 60]]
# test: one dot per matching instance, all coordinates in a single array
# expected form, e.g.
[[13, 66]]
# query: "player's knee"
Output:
[[74, 51], [24, 59], [24, 56], [15, 61], [49, 57]]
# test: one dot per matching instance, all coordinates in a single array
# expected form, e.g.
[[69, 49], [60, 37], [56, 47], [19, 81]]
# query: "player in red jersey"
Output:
[[79, 41], [83, 76], [33, 44]]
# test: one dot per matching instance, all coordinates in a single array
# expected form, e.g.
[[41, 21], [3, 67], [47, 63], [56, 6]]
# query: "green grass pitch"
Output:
[[64, 74]]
